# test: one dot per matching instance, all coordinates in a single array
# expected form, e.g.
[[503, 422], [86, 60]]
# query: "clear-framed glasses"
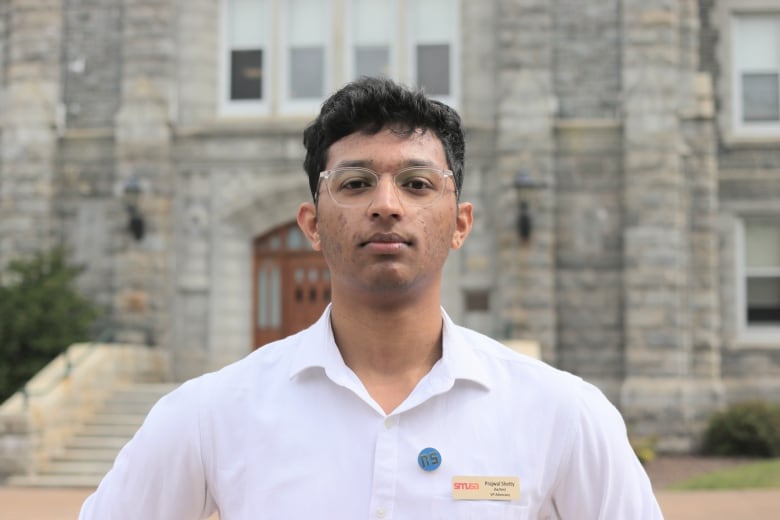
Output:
[[352, 187]]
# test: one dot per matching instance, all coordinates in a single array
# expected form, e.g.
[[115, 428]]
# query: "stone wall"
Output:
[[524, 143], [196, 41], [90, 210], [586, 58], [589, 221], [661, 391], [30, 121], [143, 269], [91, 62]]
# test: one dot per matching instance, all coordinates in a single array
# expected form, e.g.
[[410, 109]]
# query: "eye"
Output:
[[419, 181], [354, 184], [353, 180]]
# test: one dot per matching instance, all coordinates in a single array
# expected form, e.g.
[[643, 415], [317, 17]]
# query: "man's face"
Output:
[[387, 245]]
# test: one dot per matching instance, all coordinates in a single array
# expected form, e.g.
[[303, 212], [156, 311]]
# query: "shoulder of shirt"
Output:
[[551, 388], [255, 368], [525, 370]]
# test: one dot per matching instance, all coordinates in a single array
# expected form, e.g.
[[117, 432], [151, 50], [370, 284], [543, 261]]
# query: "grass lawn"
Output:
[[765, 474]]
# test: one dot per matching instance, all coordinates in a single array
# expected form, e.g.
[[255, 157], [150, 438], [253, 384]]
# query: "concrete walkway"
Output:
[[712, 505], [64, 504]]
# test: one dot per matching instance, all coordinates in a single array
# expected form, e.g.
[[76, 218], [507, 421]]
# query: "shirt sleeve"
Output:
[[159, 474], [602, 478]]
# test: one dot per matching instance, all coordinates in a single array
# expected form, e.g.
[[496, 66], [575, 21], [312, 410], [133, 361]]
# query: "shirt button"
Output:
[[380, 512], [389, 422]]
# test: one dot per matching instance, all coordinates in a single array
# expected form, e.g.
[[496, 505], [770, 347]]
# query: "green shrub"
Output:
[[747, 429], [41, 314]]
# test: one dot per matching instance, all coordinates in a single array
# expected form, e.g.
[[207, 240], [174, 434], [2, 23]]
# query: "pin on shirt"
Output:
[[429, 459]]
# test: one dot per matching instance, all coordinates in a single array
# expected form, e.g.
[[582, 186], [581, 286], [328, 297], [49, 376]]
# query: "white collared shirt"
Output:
[[290, 432]]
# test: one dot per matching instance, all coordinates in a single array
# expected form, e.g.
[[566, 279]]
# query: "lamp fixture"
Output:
[[131, 196], [524, 183]]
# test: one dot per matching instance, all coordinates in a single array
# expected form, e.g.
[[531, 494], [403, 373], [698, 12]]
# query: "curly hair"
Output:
[[370, 104]]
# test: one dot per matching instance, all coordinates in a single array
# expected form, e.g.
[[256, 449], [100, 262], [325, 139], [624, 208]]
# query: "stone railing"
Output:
[[36, 422]]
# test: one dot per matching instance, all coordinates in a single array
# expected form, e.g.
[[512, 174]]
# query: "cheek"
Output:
[[333, 236], [438, 233]]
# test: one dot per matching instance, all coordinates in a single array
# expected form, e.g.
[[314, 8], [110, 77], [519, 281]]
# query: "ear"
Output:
[[463, 222], [307, 221]]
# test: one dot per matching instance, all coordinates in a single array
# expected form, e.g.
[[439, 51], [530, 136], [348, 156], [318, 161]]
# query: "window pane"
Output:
[[246, 19], [763, 296], [372, 22], [756, 45], [434, 31], [372, 61], [760, 97], [295, 241], [269, 309], [307, 72], [433, 69], [477, 301], [306, 30], [306, 22], [276, 298], [762, 244], [372, 28], [262, 299], [434, 20], [246, 74]]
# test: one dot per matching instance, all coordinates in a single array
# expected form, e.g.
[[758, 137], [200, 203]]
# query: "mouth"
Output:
[[386, 242]]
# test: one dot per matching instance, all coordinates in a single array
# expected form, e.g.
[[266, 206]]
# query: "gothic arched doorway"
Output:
[[291, 284]]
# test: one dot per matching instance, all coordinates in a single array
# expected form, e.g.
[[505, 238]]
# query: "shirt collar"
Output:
[[460, 357], [317, 348]]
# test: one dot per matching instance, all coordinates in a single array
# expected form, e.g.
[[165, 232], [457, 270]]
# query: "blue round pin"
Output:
[[429, 459]]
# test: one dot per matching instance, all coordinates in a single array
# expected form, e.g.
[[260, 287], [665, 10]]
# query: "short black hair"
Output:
[[368, 105]]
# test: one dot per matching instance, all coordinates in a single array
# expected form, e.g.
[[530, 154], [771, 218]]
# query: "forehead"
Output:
[[388, 148]]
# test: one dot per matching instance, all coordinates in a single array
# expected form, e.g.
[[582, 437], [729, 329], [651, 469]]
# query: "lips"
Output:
[[386, 238], [386, 244]]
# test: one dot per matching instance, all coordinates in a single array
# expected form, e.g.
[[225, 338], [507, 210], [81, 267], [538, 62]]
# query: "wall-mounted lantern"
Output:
[[525, 183], [131, 196]]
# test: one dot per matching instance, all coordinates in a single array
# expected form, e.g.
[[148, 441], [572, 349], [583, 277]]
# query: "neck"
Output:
[[389, 347]]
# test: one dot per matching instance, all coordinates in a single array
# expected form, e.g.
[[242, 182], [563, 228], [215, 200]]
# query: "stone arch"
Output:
[[245, 211]]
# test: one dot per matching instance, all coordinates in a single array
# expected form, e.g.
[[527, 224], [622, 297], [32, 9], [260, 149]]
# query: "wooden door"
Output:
[[291, 284]]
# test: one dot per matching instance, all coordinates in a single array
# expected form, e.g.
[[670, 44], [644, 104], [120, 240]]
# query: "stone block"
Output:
[[16, 424]]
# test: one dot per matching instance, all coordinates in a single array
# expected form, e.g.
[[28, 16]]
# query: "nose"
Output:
[[387, 200]]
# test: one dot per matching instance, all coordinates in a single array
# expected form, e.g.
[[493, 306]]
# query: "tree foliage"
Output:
[[41, 314]]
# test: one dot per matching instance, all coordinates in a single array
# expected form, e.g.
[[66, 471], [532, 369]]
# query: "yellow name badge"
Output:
[[485, 488]]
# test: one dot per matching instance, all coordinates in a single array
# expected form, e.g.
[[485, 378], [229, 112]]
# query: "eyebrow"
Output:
[[369, 163]]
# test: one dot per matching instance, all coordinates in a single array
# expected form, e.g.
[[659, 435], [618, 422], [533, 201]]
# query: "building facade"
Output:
[[622, 158]]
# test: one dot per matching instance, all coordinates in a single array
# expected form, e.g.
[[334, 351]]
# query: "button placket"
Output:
[[385, 470]]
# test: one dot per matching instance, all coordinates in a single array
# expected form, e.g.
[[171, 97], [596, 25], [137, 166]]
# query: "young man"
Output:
[[383, 408]]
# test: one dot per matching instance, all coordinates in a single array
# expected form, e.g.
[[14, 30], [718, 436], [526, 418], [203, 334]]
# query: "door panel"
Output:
[[308, 292], [291, 285]]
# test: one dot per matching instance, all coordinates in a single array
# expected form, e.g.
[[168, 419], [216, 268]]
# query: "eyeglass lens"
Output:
[[356, 186]]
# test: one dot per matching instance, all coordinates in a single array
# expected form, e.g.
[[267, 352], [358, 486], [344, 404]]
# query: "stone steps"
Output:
[[89, 454]]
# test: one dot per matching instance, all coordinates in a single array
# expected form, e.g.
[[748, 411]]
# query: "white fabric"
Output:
[[291, 433]]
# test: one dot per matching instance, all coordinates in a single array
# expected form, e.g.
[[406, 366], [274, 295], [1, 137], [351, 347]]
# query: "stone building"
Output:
[[622, 158]]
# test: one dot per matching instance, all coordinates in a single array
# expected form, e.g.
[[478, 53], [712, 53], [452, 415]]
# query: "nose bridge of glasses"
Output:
[[386, 182]]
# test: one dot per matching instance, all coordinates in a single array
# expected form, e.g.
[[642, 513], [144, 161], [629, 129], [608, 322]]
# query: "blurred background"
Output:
[[622, 158]]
